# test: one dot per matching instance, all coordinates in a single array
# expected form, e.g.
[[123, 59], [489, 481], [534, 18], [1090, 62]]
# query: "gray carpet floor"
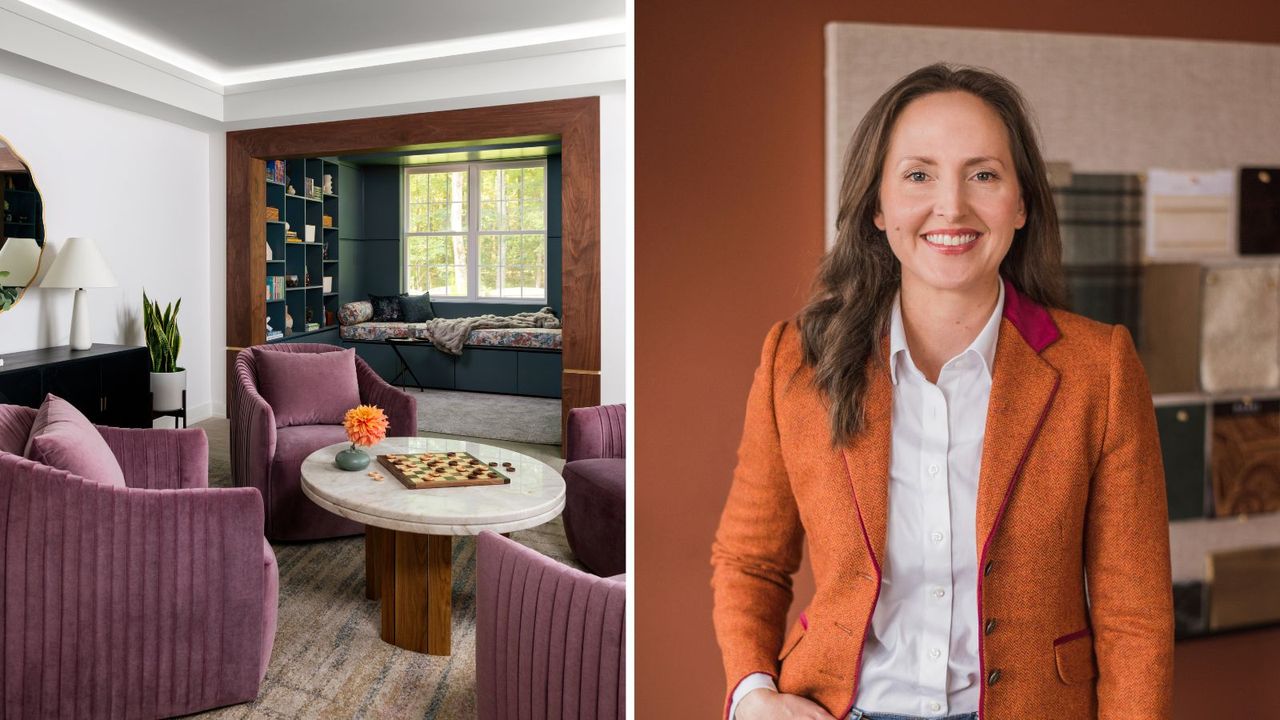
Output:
[[488, 415], [328, 660]]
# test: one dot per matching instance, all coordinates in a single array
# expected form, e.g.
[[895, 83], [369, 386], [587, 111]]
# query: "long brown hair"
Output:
[[841, 327]]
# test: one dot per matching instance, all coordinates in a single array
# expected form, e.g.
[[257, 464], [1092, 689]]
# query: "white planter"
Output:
[[166, 390]]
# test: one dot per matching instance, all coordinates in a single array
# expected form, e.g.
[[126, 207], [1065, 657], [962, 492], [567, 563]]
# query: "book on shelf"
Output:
[[275, 334], [275, 287], [275, 170], [312, 326]]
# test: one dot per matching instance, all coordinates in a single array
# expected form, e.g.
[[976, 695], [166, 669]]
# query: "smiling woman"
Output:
[[995, 444]]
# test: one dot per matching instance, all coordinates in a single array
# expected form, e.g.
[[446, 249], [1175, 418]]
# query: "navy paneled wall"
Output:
[[370, 254]]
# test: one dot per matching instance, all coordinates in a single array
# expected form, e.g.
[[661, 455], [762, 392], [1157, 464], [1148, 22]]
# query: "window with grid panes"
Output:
[[477, 231]]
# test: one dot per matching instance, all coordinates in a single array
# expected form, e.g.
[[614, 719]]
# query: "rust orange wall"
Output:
[[729, 228]]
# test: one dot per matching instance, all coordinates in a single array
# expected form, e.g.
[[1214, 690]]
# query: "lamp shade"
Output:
[[78, 264], [20, 257]]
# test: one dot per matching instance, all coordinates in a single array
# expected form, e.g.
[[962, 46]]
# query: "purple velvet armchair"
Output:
[[269, 458], [595, 478], [550, 639], [151, 600]]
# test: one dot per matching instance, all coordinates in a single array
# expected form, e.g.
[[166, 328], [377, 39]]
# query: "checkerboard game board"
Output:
[[420, 471]]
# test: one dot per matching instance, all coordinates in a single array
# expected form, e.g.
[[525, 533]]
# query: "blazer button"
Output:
[[991, 625], [993, 677], [987, 569]]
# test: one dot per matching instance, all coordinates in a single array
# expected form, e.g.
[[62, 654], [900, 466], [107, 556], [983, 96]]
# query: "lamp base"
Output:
[[80, 338]]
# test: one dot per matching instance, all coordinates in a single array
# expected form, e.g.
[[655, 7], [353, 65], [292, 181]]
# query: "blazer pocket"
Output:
[[1073, 654], [793, 639]]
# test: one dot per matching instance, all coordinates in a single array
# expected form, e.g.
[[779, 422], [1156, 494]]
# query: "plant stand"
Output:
[[178, 414]]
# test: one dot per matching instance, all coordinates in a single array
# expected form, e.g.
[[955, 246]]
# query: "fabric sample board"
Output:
[[1182, 444], [1170, 343], [1189, 214], [1259, 224], [1100, 218], [1240, 339], [1112, 295], [1246, 457], [1244, 587], [1189, 606]]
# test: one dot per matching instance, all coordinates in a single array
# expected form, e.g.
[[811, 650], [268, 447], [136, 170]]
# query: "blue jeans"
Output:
[[856, 714]]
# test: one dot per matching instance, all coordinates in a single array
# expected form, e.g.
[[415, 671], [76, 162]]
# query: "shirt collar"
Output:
[[984, 344]]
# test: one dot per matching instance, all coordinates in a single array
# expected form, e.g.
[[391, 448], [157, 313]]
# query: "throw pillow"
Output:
[[386, 308], [63, 438], [417, 308], [355, 312], [308, 388]]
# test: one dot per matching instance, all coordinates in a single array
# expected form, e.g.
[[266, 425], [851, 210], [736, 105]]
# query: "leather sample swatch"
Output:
[[1259, 211], [1170, 343], [1246, 457], [1100, 217], [1244, 587], [1188, 214], [1182, 443], [1240, 340], [1189, 606]]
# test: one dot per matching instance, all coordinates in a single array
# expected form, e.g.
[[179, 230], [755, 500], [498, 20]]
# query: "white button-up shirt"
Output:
[[921, 654]]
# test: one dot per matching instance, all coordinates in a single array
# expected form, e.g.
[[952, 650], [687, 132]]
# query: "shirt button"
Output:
[[935, 706], [933, 469], [937, 537], [939, 592], [935, 653]]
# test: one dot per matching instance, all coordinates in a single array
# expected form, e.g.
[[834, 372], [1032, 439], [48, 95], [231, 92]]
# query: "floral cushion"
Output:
[[355, 312], [533, 338]]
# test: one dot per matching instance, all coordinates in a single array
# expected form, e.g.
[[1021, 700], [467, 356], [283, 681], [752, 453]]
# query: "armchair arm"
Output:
[[597, 432], [160, 459], [128, 602], [401, 407], [253, 431]]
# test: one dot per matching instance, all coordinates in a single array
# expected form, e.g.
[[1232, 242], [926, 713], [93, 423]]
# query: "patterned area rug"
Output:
[[328, 661]]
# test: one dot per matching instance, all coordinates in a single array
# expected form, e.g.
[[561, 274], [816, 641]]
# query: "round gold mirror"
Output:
[[22, 235]]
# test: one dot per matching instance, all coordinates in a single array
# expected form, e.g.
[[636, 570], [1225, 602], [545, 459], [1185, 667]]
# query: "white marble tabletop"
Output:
[[534, 496]]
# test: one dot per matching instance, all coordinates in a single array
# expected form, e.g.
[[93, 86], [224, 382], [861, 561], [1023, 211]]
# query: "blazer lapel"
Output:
[[867, 457], [1022, 389]]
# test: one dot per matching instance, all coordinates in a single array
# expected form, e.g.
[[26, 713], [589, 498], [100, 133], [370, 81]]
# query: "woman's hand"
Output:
[[765, 704]]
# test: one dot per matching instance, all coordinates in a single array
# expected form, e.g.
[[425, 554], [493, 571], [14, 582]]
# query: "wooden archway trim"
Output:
[[576, 121]]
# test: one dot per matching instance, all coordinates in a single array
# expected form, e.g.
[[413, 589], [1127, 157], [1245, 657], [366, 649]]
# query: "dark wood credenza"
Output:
[[110, 384]]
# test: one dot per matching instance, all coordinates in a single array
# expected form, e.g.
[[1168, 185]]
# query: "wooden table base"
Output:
[[413, 577]]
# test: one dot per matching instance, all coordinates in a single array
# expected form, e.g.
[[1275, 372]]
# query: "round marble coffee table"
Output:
[[409, 533]]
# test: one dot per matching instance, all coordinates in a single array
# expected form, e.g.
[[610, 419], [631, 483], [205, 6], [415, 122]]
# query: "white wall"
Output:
[[615, 265], [137, 186]]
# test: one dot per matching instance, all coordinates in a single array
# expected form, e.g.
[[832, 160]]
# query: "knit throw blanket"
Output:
[[450, 334]]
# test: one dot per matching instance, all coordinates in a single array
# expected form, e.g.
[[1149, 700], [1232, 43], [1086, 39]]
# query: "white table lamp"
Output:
[[79, 265], [20, 257]]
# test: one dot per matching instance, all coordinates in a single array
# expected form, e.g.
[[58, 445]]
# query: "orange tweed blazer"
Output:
[[1071, 489]]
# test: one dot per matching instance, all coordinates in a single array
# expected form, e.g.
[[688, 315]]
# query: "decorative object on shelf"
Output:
[[327, 220], [269, 255], [79, 265], [330, 318], [288, 322], [312, 326], [273, 213], [366, 426], [1246, 457], [164, 340], [311, 233], [19, 260], [328, 184], [324, 251], [291, 281], [327, 283], [309, 316], [307, 281]]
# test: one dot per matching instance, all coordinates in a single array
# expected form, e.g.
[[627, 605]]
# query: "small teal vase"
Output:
[[352, 459]]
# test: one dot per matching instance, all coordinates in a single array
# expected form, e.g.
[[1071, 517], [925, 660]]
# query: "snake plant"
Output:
[[163, 337]]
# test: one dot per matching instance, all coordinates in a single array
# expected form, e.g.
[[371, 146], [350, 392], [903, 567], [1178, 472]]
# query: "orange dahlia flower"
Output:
[[365, 425]]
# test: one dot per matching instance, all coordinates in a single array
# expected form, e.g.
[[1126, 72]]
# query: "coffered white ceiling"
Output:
[[182, 52]]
